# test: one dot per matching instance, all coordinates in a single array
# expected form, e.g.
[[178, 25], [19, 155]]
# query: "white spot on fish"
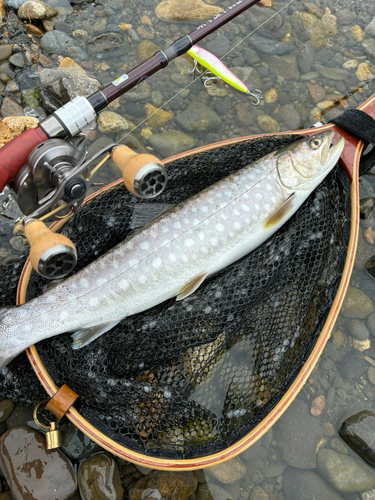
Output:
[[123, 284], [165, 229], [228, 194], [157, 262], [231, 234], [268, 187], [206, 222], [172, 257], [223, 204], [145, 245], [220, 227], [187, 222], [27, 328], [83, 283], [237, 225], [204, 209], [177, 225], [93, 301], [130, 244], [256, 206], [204, 249], [165, 242], [100, 281], [266, 206], [133, 262], [245, 207], [184, 258], [273, 199], [114, 264], [189, 242], [196, 222], [201, 236], [63, 315], [219, 195], [259, 196], [246, 196], [143, 279], [214, 241]]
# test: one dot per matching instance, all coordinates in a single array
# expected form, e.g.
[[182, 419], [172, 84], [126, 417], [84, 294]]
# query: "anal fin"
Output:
[[280, 213], [190, 287], [84, 336]]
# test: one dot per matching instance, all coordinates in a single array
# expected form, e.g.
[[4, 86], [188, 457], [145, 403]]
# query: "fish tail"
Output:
[[7, 351]]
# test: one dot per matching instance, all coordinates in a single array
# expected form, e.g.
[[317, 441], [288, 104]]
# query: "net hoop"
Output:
[[353, 150]]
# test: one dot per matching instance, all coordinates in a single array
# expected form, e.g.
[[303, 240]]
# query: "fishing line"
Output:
[[206, 72]]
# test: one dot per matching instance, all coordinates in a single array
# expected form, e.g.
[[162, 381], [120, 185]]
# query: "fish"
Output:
[[172, 255]]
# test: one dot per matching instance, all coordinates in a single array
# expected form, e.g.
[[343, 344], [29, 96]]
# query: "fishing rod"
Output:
[[48, 173], [76, 115]]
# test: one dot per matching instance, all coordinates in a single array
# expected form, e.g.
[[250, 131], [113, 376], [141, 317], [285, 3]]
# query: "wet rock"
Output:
[[45, 61], [346, 16], [49, 102], [75, 444], [12, 126], [274, 469], [146, 49], [329, 23], [290, 117], [345, 473], [268, 124], [32, 471], [109, 42], [220, 46], [358, 329], [364, 252], [210, 491], [317, 406], [229, 472], [358, 433], [272, 23], [357, 33], [270, 47], [258, 493], [11, 88], [317, 93], [164, 485], [305, 56], [171, 143], [337, 74], [157, 118], [36, 9], [31, 97], [99, 478], [6, 68], [370, 266], [249, 76], [65, 84], [108, 121], [309, 26], [370, 322], [353, 366], [5, 52], [356, 304], [34, 30], [284, 66], [18, 60], [186, 10], [198, 117], [15, 4], [370, 28], [6, 408], [300, 436], [56, 42], [365, 188], [307, 485]]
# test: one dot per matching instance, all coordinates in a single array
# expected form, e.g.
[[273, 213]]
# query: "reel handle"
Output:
[[143, 174], [14, 153], [52, 255]]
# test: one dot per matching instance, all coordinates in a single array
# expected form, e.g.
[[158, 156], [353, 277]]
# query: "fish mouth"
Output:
[[334, 152]]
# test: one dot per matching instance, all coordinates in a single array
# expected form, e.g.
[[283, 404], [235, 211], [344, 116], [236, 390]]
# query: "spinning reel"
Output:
[[53, 184]]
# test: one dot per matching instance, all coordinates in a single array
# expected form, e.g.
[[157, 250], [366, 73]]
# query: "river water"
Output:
[[312, 61]]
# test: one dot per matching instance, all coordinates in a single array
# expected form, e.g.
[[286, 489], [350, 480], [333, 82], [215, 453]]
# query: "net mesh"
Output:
[[190, 378]]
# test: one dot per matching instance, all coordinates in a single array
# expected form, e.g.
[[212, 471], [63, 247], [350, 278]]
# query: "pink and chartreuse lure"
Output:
[[215, 66]]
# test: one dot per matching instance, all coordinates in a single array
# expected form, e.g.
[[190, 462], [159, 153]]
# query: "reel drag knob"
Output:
[[51, 254], [143, 174]]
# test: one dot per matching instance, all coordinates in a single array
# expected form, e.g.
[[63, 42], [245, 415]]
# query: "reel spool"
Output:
[[53, 184]]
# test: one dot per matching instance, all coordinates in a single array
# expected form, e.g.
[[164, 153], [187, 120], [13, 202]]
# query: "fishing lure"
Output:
[[221, 72]]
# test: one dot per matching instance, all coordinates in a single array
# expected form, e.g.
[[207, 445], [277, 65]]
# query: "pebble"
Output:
[[271, 96], [5, 52], [186, 10], [345, 473], [258, 493], [305, 56], [338, 74], [198, 117], [159, 117], [290, 117], [228, 472], [32, 471], [358, 329], [361, 345], [99, 478], [171, 143], [56, 42], [75, 444], [357, 432], [109, 121], [369, 236], [163, 485], [357, 33], [219, 46], [370, 322], [268, 124], [36, 9], [338, 338], [353, 366], [370, 28], [356, 305], [18, 60], [66, 84], [363, 72], [12, 126], [339, 446], [317, 406]]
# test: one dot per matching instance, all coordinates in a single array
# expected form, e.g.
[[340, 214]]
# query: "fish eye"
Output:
[[315, 143]]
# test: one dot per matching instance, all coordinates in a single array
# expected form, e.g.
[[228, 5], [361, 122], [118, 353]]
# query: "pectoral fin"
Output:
[[190, 287], [83, 337], [280, 213]]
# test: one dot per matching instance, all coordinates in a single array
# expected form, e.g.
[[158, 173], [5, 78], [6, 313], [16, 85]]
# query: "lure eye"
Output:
[[315, 143]]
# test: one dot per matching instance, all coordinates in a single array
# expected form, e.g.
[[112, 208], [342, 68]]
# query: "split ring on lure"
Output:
[[221, 72]]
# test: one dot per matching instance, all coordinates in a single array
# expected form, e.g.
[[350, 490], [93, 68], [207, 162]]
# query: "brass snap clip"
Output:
[[53, 434]]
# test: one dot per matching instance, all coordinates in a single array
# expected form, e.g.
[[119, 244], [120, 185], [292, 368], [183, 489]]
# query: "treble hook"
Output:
[[257, 96]]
